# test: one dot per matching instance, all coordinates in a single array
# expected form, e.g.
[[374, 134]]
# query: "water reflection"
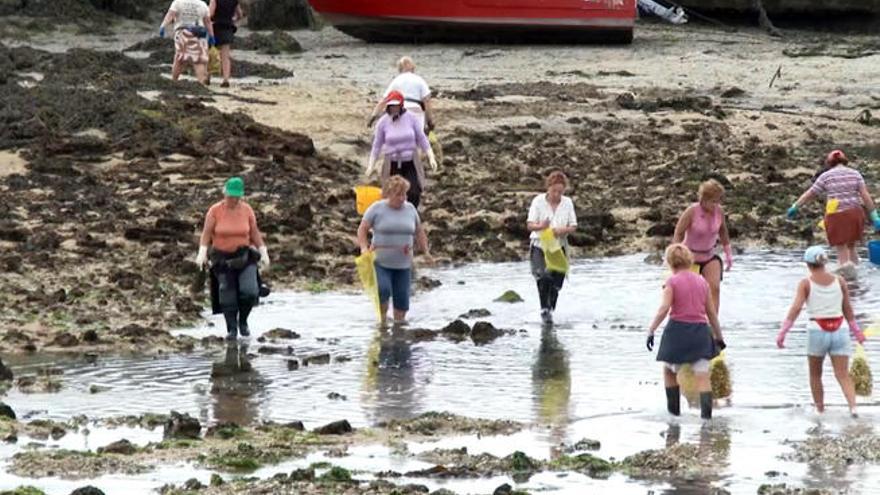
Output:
[[551, 383], [236, 388], [713, 449], [390, 378]]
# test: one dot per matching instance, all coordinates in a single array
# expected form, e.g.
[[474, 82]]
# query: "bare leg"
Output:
[[842, 254], [712, 274], [399, 315], [669, 379], [816, 382], [383, 308], [703, 382], [176, 69], [853, 254], [841, 372], [226, 62], [201, 72]]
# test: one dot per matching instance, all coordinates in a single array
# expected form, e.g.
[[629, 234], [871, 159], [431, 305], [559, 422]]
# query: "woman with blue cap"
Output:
[[827, 301], [236, 247]]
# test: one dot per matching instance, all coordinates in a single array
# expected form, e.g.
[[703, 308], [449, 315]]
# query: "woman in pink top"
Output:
[[399, 135], [687, 338], [700, 228]]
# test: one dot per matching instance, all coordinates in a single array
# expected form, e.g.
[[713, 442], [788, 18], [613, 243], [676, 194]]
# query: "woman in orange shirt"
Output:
[[231, 231]]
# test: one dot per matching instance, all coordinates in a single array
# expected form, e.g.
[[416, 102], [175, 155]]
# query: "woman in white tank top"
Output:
[[827, 300]]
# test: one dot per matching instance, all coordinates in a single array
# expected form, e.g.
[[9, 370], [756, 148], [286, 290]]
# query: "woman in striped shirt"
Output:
[[844, 225]]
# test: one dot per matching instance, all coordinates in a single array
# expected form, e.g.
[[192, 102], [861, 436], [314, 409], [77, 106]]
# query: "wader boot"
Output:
[[231, 324], [243, 312], [706, 405], [673, 400]]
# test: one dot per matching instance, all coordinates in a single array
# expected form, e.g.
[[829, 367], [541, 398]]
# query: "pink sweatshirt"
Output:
[[689, 294], [400, 137], [702, 235]]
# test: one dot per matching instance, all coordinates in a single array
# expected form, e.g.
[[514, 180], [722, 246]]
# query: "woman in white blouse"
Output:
[[555, 211]]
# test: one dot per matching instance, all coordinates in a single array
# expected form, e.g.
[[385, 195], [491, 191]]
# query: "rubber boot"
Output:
[[706, 405], [552, 296], [673, 400], [243, 311], [231, 324]]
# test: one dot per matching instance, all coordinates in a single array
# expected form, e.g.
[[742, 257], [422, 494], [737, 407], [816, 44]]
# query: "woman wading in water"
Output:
[[687, 337], [827, 300], [700, 228], [231, 233], [555, 211]]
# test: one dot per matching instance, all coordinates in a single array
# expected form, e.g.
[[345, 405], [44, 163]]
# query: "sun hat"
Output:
[[234, 187], [815, 255]]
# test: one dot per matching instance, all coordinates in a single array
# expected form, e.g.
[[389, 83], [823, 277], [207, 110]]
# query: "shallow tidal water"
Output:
[[589, 377]]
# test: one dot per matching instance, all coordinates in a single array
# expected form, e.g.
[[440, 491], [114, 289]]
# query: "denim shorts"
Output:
[[394, 284], [820, 342]]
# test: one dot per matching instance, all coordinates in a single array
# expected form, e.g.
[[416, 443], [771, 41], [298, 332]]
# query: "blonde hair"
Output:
[[556, 177], [406, 64], [679, 257], [711, 189], [395, 185]]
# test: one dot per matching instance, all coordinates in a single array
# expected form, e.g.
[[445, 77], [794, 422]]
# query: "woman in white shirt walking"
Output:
[[826, 298], [555, 211]]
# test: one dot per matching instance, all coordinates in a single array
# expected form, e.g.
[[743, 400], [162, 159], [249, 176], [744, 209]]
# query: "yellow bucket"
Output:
[[365, 196]]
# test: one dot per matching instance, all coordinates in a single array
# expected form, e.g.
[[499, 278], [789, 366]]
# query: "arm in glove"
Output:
[[162, 31], [432, 160], [202, 257], [875, 219], [792, 211], [780, 339], [856, 332], [211, 40], [264, 257], [650, 342]]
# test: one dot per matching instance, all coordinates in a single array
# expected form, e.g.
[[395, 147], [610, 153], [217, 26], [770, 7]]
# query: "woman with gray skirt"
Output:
[[555, 211], [236, 247], [687, 337]]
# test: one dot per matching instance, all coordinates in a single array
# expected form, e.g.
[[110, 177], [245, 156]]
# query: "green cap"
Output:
[[234, 187]]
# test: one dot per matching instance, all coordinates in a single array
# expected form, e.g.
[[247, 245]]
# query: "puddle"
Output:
[[588, 378]]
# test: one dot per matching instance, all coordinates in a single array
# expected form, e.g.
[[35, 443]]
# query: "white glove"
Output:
[[371, 167], [264, 257], [202, 257], [432, 160]]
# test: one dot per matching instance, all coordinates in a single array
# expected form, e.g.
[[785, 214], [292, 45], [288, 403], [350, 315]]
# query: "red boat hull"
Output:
[[528, 21]]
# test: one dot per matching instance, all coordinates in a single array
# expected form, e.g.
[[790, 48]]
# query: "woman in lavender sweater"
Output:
[[399, 135]]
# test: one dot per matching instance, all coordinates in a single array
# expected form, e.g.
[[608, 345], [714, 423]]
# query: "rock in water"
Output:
[[123, 447], [182, 426], [335, 428], [860, 373], [456, 330], [5, 373], [484, 332], [509, 297], [6, 411], [719, 375], [87, 490]]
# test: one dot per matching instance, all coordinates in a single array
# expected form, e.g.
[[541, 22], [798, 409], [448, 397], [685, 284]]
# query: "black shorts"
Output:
[[703, 265], [224, 34]]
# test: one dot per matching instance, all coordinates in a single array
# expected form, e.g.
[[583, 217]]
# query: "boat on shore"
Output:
[[493, 21]]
